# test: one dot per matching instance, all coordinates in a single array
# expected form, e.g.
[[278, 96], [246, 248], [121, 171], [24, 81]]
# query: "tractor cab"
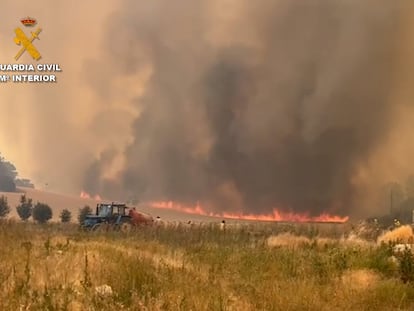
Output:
[[110, 209], [113, 214], [103, 210]]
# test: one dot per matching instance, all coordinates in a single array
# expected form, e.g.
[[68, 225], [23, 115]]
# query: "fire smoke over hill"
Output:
[[251, 106]]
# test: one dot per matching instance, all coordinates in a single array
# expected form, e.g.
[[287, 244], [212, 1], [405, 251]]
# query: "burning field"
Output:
[[257, 131], [198, 210], [280, 111], [169, 211], [276, 111], [205, 264], [276, 216]]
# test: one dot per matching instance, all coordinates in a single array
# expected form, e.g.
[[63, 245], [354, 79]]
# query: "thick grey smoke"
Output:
[[252, 105]]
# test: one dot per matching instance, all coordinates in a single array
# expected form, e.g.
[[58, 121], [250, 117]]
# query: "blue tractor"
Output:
[[108, 216]]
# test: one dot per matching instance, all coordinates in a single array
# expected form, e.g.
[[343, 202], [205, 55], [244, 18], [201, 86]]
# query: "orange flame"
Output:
[[275, 216], [85, 195]]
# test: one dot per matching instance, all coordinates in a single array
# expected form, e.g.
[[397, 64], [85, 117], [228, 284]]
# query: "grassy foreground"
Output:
[[261, 267]]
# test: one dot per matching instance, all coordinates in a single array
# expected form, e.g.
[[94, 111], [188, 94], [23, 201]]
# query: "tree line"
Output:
[[39, 212]]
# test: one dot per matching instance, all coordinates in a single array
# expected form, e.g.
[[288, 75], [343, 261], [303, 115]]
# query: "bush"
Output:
[[4, 207], [42, 213], [65, 216], [25, 208], [83, 212], [406, 266]]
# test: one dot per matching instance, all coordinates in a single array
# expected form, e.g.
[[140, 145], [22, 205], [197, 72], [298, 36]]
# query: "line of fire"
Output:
[[198, 209]]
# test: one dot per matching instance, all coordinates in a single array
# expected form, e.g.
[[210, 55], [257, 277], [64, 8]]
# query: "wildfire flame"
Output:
[[85, 195], [275, 216]]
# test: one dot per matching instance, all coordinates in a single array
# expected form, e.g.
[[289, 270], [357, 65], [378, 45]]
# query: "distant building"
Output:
[[24, 182]]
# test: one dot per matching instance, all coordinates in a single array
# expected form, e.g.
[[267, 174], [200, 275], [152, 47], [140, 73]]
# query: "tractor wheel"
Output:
[[96, 227], [125, 227], [100, 227]]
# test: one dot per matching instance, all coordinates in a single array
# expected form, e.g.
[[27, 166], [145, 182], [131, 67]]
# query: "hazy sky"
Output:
[[242, 105], [48, 130]]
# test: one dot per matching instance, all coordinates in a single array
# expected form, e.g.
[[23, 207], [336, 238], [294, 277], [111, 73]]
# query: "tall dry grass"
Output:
[[249, 267], [403, 234]]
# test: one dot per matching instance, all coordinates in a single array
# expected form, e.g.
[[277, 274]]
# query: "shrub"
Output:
[[65, 216], [406, 265], [42, 213], [83, 212], [25, 208], [4, 207]]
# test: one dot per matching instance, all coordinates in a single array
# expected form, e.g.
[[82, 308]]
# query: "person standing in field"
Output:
[[158, 221]]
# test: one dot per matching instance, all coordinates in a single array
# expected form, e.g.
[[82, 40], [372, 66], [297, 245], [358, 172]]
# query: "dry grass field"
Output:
[[248, 267]]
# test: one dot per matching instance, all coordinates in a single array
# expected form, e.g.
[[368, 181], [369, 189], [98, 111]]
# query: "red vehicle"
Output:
[[138, 218]]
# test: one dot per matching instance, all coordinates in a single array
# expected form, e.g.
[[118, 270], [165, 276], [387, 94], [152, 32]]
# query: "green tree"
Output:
[[25, 208], [83, 212], [65, 215], [42, 213], [4, 207]]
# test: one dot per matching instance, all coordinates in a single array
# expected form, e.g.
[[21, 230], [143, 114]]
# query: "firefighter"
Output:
[[158, 221], [397, 223]]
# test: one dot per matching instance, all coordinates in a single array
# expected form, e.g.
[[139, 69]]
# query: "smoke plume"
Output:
[[250, 106]]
